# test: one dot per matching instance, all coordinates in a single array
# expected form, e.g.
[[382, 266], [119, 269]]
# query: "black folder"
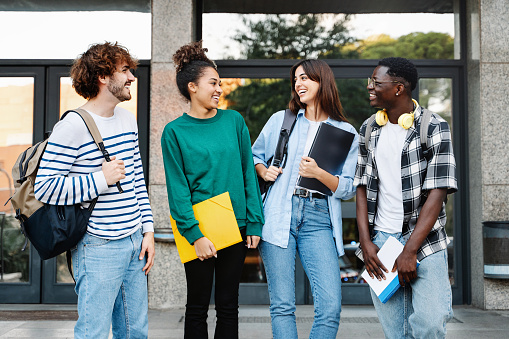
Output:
[[329, 149]]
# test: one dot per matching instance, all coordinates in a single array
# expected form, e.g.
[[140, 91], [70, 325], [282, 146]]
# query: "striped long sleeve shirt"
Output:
[[70, 172]]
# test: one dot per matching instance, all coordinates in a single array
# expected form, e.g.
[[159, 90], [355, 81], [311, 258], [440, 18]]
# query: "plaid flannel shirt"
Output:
[[421, 171]]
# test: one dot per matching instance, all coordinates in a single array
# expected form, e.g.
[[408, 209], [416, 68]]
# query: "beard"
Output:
[[118, 91]]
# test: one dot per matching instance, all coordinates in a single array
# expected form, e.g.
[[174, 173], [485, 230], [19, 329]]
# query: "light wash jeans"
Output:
[[310, 236], [422, 309], [111, 288]]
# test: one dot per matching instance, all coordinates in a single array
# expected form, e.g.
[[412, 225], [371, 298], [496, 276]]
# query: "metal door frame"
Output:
[[42, 287]]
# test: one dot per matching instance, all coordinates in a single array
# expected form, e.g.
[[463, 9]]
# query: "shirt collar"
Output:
[[301, 112]]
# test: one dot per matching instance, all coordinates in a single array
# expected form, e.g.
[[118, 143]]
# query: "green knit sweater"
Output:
[[204, 158]]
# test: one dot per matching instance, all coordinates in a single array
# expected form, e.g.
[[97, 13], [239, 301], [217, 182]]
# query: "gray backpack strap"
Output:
[[367, 133], [425, 120]]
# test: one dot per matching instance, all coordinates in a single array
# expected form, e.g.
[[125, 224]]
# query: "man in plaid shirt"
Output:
[[401, 192]]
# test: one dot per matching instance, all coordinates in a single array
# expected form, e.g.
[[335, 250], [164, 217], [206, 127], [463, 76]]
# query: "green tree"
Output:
[[285, 37], [411, 46], [289, 37]]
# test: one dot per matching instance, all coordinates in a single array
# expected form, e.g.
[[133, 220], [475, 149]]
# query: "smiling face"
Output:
[[207, 90], [119, 84], [306, 88], [382, 90]]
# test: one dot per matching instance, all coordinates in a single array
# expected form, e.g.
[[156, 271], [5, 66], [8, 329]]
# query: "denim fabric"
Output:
[[311, 237], [226, 269], [422, 309], [111, 287], [278, 204]]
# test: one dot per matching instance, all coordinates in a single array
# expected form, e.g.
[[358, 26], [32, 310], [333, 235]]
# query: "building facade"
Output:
[[476, 78]]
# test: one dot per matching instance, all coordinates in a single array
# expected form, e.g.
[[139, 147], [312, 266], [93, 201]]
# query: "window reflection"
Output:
[[16, 129], [329, 36], [436, 95]]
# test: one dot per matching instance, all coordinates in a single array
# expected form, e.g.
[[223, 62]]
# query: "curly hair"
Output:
[[190, 61], [99, 60], [401, 68]]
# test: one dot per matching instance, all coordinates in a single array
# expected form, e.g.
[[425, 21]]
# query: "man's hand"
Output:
[[252, 241], [204, 249], [148, 247], [114, 171], [406, 265], [373, 265]]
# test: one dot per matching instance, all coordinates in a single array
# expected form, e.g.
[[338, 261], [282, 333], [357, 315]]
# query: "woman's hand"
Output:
[[272, 173], [308, 168], [204, 249], [252, 241]]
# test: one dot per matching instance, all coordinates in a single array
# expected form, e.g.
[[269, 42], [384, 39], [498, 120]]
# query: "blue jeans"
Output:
[[310, 236], [111, 287], [422, 309]]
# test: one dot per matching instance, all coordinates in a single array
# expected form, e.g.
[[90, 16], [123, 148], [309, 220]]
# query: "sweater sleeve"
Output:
[[140, 190], [254, 207], [179, 195], [53, 185]]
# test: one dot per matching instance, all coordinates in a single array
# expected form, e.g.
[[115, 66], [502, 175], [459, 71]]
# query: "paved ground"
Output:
[[32, 321]]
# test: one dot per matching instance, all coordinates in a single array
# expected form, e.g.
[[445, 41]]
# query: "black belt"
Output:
[[304, 193]]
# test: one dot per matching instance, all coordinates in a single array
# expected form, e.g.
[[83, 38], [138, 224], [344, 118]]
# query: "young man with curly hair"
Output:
[[110, 263], [402, 187]]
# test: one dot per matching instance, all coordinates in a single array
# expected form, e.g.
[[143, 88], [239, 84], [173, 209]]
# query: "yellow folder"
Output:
[[217, 222]]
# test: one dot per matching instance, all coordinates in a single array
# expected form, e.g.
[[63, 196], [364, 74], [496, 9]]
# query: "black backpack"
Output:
[[279, 158], [52, 229]]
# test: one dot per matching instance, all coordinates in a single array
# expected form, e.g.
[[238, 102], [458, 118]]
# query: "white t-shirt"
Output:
[[313, 128], [389, 215]]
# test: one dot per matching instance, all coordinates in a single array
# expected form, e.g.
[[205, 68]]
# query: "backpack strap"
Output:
[[284, 136], [367, 133], [425, 120], [94, 131], [279, 158], [68, 256]]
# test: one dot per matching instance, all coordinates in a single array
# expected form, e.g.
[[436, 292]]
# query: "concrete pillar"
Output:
[[173, 23], [488, 69]]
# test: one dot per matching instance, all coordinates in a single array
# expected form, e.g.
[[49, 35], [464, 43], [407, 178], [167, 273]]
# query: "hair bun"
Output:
[[188, 53]]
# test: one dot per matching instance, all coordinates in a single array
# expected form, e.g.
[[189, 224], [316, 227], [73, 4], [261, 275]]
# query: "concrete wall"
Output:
[[172, 27], [488, 70]]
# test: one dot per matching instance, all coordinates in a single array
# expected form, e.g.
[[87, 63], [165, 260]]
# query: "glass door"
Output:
[[20, 105], [57, 283]]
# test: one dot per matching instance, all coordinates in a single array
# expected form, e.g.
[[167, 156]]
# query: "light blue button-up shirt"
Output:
[[278, 204]]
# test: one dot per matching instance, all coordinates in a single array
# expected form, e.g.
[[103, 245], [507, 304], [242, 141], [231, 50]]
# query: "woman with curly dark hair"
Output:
[[206, 152]]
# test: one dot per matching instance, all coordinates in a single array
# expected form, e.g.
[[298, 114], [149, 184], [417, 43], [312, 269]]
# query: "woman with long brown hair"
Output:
[[299, 220]]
